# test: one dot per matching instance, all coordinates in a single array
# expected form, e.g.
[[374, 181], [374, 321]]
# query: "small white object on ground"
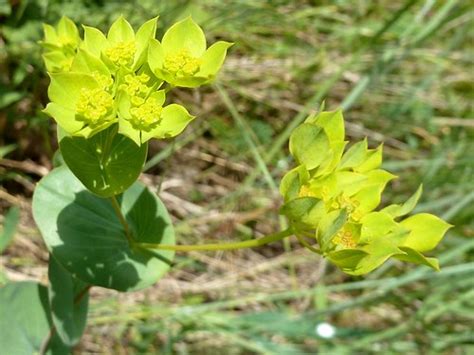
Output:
[[325, 330]]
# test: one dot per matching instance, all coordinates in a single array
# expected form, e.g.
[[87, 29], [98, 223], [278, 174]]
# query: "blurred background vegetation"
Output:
[[403, 73]]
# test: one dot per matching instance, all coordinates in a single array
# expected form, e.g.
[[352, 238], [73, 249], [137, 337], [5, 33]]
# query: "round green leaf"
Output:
[[85, 236], [69, 300], [25, 320], [107, 163]]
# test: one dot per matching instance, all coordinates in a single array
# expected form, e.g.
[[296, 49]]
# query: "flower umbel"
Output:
[[332, 196], [181, 57]]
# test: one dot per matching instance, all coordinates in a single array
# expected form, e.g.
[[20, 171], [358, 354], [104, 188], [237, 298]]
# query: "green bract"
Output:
[[332, 196], [60, 44], [181, 58], [122, 48]]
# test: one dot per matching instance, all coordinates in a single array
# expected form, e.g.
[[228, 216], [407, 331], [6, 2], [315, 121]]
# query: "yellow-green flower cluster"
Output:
[[102, 80], [332, 196]]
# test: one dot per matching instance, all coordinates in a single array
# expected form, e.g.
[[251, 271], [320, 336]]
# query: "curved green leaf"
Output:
[[413, 256], [213, 58], [69, 299], [185, 34], [107, 163], [309, 145], [85, 236], [307, 210], [25, 320], [426, 231], [10, 223], [121, 31]]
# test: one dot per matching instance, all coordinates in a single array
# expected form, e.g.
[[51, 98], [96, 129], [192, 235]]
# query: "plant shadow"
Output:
[[95, 249]]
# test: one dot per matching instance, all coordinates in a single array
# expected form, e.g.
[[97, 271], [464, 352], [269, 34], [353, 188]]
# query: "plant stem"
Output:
[[307, 245], [122, 220], [221, 246]]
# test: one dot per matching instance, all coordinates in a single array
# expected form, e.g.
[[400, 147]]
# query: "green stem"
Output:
[[122, 220], [307, 245], [221, 246]]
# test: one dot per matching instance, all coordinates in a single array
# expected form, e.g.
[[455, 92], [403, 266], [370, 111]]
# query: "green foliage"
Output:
[[84, 235], [10, 223], [68, 300], [25, 319], [107, 163], [181, 58]]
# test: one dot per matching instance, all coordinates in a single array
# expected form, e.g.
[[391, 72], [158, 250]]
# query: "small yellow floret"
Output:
[[348, 203], [146, 116], [356, 215], [345, 239], [122, 53], [305, 191], [94, 105], [182, 63], [105, 81], [135, 85]]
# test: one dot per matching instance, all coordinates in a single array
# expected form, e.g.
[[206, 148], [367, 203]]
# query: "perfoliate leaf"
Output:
[[332, 122], [329, 164], [67, 30], [309, 145], [354, 156], [107, 164], [426, 231], [25, 320], [87, 63], [378, 251], [174, 119], [185, 34], [94, 40], [330, 224], [50, 35], [350, 183], [85, 236], [407, 207], [144, 34], [369, 196], [376, 224], [65, 88], [292, 181], [347, 259], [413, 256], [213, 59], [372, 160], [307, 210], [121, 31], [56, 61], [64, 117], [156, 55]]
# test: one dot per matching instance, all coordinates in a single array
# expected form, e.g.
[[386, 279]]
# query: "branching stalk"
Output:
[[221, 246]]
